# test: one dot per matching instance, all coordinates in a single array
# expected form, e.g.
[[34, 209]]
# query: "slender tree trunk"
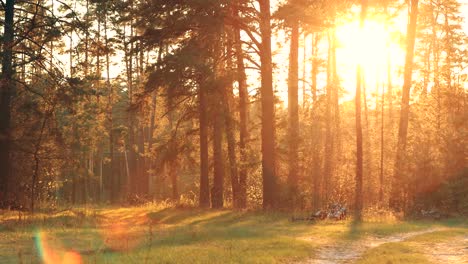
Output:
[[174, 179], [268, 111], [327, 168], [293, 109], [228, 98], [37, 149], [382, 147], [150, 162], [6, 91], [86, 40], [243, 113], [304, 63], [336, 104], [113, 174], [359, 151], [231, 142], [315, 129], [204, 194], [367, 163], [397, 201], [217, 193]]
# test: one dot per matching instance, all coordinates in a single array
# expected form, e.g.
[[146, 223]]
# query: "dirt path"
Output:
[[350, 251], [454, 250]]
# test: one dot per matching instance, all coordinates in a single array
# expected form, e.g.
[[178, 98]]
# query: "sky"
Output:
[[345, 56], [372, 49]]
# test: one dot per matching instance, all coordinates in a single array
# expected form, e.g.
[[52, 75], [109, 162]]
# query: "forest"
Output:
[[276, 106], [226, 103]]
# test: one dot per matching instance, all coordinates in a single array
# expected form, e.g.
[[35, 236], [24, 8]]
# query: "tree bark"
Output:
[[204, 194], [293, 109], [359, 151], [268, 110], [327, 168], [227, 94], [315, 129], [397, 201], [217, 193], [6, 90], [112, 180], [243, 113]]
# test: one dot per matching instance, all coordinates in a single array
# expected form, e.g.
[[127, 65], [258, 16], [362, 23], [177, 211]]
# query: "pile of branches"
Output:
[[136, 200], [433, 214], [335, 211]]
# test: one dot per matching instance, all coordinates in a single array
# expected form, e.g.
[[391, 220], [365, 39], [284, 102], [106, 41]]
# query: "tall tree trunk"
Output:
[[204, 194], [336, 104], [268, 111], [37, 148], [6, 91], [359, 80], [293, 109], [227, 94], [382, 147], [231, 142], [133, 180], [315, 129], [217, 193], [244, 120], [113, 174], [397, 200], [304, 63], [327, 168], [150, 162]]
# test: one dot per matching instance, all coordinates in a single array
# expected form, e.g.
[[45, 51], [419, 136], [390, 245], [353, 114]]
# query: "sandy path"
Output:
[[454, 250], [350, 251]]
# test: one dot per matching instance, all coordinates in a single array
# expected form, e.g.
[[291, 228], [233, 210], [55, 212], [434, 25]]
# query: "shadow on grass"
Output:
[[196, 226]]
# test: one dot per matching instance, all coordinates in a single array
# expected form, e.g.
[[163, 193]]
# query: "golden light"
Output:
[[371, 46], [367, 45]]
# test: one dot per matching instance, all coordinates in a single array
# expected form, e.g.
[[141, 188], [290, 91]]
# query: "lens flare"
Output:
[[53, 254], [124, 233]]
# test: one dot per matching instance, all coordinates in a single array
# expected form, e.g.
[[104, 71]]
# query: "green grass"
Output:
[[169, 235], [394, 253], [409, 250]]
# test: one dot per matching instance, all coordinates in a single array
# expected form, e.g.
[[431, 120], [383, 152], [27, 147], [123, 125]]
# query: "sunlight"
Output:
[[366, 46], [370, 46]]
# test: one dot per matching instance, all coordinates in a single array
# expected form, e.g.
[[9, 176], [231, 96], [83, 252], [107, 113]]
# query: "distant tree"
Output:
[[397, 200], [359, 151]]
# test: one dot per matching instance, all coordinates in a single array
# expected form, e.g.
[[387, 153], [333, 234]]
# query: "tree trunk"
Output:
[[231, 142], [315, 128], [268, 111], [204, 195], [359, 158], [113, 174], [398, 186], [336, 103], [217, 193], [293, 109], [227, 94], [150, 163], [6, 91], [243, 114], [327, 168]]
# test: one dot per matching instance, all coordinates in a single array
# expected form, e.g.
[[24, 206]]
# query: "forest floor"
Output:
[[166, 235]]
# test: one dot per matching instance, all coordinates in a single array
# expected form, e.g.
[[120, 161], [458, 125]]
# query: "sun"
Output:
[[372, 46]]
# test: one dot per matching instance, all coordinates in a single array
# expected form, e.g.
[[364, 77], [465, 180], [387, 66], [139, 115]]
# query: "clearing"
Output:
[[151, 234]]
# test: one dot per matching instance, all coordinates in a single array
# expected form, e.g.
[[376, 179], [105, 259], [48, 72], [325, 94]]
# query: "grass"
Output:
[[394, 253], [169, 235], [409, 251]]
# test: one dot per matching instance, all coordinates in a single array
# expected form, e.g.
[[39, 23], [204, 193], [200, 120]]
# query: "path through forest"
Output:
[[350, 251], [454, 250]]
